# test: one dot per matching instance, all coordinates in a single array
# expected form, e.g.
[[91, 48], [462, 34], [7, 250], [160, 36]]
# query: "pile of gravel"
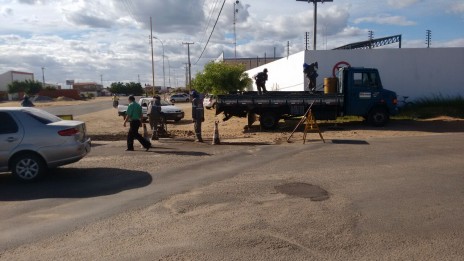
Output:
[[39, 98], [64, 98]]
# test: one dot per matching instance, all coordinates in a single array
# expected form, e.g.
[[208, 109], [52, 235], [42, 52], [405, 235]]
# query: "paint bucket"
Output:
[[330, 85]]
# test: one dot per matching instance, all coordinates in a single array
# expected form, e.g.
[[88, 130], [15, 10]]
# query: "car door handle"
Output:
[[11, 139]]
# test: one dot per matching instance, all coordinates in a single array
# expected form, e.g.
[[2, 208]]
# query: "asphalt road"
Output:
[[80, 108], [91, 107], [401, 190]]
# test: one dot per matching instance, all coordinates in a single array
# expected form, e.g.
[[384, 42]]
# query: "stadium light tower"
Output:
[[235, 32], [315, 17]]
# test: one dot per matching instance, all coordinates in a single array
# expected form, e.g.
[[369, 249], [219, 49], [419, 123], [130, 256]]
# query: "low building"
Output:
[[9, 77], [88, 88], [251, 63]]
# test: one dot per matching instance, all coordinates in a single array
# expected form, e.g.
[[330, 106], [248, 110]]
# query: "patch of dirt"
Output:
[[303, 190], [108, 125]]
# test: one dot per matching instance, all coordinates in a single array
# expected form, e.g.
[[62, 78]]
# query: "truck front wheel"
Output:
[[269, 121], [378, 117]]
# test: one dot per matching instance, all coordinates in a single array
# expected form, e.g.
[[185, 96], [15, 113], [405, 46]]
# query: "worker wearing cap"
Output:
[[154, 116], [310, 71], [260, 80], [198, 115]]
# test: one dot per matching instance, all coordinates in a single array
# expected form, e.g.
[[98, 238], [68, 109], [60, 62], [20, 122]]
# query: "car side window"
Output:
[[8, 124]]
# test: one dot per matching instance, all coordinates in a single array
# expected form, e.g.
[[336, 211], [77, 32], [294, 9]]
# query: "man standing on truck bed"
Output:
[[134, 116], [260, 80], [311, 74]]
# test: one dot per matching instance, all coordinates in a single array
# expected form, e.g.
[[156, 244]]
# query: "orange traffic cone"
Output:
[[216, 139]]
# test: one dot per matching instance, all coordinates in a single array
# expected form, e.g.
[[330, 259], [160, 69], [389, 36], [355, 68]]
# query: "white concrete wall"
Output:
[[285, 74], [418, 72]]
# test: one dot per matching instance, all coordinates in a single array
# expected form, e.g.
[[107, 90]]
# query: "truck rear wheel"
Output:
[[269, 121], [378, 117]]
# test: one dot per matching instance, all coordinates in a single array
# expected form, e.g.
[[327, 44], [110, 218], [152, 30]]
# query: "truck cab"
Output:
[[365, 96]]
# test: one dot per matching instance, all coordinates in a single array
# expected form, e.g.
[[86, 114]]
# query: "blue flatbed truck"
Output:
[[358, 92]]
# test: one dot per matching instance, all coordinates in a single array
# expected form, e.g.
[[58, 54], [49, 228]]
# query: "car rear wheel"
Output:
[[187, 100], [28, 167], [173, 101]]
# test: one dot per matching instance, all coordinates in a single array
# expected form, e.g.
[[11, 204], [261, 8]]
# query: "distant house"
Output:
[[9, 77], [88, 88], [149, 89]]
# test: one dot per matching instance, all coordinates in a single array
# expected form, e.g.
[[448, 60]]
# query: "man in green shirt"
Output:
[[134, 116]]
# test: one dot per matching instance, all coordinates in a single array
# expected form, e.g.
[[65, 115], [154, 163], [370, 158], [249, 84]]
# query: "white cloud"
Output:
[[402, 3], [457, 8], [385, 20], [6, 11], [79, 39]]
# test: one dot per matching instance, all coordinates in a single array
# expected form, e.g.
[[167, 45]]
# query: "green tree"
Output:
[[117, 87], [30, 87], [135, 88], [126, 88], [221, 78]]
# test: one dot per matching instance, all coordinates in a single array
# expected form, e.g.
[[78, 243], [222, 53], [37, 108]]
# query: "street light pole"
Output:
[[315, 17], [235, 32], [43, 77], [169, 71], [164, 76], [152, 61]]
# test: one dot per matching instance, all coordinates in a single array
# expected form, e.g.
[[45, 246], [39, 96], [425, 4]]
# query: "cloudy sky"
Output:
[[109, 40]]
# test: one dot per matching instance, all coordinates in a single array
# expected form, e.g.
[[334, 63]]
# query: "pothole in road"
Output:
[[303, 190]]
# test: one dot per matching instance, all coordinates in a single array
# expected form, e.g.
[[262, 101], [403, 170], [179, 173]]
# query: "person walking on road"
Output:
[[198, 115], [115, 101], [154, 116], [260, 80], [134, 117]]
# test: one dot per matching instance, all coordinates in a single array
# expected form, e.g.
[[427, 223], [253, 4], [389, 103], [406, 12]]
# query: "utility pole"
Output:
[[101, 79], [138, 76], [235, 32], [315, 17], [164, 75], [428, 39], [152, 61], [189, 67], [186, 75], [370, 34], [43, 77], [306, 40], [288, 49]]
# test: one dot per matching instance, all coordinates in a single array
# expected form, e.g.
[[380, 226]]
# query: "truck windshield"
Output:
[[365, 79]]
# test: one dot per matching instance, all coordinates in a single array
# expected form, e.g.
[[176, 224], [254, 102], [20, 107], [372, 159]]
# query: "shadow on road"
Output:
[[182, 153], [351, 142], [73, 183], [433, 126]]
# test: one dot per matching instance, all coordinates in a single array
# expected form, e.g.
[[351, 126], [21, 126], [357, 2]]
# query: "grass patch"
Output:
[[435, 106]]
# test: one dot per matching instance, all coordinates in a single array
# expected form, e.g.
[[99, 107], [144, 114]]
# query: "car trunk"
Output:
[[71, 128]]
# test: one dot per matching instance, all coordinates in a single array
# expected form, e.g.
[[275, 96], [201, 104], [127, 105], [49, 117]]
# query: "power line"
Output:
[[217, 19], [210, 16]]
